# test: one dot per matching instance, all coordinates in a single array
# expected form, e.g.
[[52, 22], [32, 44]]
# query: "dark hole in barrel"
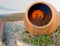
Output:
[[42, 15]]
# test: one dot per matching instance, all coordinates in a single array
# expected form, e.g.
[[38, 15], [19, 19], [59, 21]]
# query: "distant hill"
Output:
[[13, 17]]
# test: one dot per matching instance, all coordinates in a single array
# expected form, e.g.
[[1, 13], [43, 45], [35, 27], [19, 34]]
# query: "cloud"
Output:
[[8, 9]]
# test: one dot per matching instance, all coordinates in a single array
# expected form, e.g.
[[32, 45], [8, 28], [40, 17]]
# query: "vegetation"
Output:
[[41, 39]]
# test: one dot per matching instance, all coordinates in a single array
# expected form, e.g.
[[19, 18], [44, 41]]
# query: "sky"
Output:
[[20, 6]]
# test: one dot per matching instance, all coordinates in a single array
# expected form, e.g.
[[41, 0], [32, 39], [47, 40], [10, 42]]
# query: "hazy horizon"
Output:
[[20, 6]]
